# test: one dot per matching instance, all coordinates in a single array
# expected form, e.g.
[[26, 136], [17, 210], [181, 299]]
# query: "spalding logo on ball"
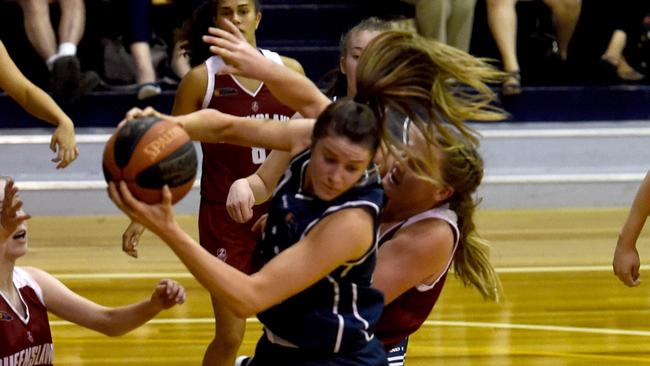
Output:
[[148, 153]]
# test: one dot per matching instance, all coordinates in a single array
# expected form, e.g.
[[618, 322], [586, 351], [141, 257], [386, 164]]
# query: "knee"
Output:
[[34, 7]]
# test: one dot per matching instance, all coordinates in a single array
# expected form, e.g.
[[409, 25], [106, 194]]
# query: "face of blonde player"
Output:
[[242, 14], [348, 63], [405, 189], [16, 246], [336, 165]]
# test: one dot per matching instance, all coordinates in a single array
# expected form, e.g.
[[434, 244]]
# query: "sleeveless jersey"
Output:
[[406, 313], [25, 341], [338, 313], [225, 163]]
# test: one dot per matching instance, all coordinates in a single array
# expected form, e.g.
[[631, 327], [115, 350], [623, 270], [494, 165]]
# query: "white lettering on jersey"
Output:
[[258, 154], [37, 355]]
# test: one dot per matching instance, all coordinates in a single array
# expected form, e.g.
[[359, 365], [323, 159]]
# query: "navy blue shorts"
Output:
[[397, 355], [269, 354]]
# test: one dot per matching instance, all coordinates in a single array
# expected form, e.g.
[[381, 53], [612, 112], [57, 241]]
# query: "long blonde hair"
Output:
[[430, 83], [462, 169]]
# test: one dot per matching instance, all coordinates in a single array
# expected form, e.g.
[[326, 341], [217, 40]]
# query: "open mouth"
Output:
[[20, 235]]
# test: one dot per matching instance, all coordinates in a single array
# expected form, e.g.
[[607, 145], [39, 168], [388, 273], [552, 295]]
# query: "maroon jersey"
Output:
[[25, 341], [406, 313], [224, 163]]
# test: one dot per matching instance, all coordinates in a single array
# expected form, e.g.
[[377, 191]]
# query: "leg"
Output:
[[614, 56], [565, 17], [431, 17], [228, 335], [141, 53], [502, 20], [461, 21], [36, 18], [73, 21]]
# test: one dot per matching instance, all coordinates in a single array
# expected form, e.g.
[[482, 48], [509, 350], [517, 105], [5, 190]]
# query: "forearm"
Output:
[[294, 90], [260, 190], [233, 288], [637, 216], [123, 319], [42, 106]]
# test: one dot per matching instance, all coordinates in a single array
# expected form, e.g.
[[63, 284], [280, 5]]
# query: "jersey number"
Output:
[[258, 155]]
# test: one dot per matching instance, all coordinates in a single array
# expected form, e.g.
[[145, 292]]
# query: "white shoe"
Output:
[[242, 360]]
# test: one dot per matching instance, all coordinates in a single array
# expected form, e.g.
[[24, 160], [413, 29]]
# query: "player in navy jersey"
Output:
[[312, 291], [421, 228], [204, 87], [27, 294]]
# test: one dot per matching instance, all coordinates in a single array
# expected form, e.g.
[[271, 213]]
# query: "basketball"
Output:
[[148, 153]]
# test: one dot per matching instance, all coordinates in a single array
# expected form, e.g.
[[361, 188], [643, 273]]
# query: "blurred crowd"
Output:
[[130, 46]]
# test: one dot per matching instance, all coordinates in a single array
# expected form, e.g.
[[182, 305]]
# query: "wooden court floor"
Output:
[[562, 304]]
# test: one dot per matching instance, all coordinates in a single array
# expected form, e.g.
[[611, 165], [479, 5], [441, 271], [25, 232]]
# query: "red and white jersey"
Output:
[[25, 341], [225, 163], [406, 313]]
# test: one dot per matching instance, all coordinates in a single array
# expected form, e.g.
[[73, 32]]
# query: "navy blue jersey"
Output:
[[338, 313]]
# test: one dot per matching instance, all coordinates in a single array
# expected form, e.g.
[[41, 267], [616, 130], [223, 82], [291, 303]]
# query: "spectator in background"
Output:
[[448, 21], [140, 32], [67, 82], [37, 103], [624, 19], [502, 20]]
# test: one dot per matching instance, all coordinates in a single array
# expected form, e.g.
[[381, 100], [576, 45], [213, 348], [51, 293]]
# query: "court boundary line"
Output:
[[156, 275], [433, 323], [486, 134], [75, 185]]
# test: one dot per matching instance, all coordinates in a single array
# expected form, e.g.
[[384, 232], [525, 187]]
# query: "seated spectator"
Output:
[[502, 20], [67, 82], [140, 31], [448, 21]]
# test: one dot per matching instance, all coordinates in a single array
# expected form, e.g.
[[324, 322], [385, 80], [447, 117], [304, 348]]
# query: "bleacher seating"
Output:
[[309, 31]]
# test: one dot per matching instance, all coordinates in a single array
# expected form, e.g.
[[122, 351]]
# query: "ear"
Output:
[[258, 19], [342, 65], [444, 193]]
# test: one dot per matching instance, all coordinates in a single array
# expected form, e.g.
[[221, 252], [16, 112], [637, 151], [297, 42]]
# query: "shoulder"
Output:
[[426, 237], [41, 277], [293, 64], [197, 75]]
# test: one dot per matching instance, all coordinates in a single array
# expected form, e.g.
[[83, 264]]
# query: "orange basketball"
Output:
[[148, 153]]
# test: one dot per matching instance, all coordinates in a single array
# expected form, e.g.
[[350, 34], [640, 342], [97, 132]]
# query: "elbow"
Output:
[[245, 310]]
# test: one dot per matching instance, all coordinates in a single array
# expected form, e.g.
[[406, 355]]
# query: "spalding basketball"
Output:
[[148, 153]]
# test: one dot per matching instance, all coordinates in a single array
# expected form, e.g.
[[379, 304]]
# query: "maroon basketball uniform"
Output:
[[406, 313], [25, 340], [224, 163]]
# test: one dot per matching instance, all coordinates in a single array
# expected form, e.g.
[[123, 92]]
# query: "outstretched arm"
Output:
[[293, 270], [70, 306], [289, 87], [210, 125], [39, 104], [626, 258]]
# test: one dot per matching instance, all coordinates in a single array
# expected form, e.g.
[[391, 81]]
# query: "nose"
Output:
[[335, 178], [236, 19]]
